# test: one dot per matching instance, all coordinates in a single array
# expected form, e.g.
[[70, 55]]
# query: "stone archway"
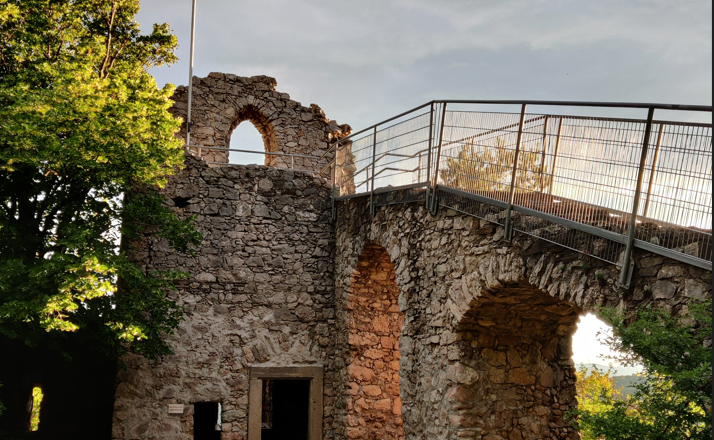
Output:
[[462, 287], [252, 115], [374, 325], [514, 378]]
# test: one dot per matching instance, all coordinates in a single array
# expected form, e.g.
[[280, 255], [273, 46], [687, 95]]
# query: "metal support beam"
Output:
[[434, 203], [628, 263], [372, 207], [555, 156], [429, 154], [512, 195], [190, 76], [542, 157], [653, 174]]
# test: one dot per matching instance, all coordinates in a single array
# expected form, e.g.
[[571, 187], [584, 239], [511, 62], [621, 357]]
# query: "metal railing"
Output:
[[600, 186], [288, 162]]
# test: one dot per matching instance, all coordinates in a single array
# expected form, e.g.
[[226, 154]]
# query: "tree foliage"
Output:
[[674, 398], [596, 389], [481, 167], [84, 134]]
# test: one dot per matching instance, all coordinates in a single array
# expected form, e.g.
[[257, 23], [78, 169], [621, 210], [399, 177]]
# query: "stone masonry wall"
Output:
[[375, 323], [222, 101], [486, 345], [260, 293], [428, 327], [514, 377]]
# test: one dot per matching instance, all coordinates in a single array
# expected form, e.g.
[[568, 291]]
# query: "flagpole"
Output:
[[190, 76]]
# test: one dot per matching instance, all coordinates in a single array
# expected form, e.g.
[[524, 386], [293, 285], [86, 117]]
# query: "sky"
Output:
[[365, 61]]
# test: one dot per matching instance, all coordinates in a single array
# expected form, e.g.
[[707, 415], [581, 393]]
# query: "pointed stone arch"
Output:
[[265, 127], [374, 325]]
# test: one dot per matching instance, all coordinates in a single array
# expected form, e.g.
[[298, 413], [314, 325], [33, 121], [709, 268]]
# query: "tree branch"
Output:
[[107, 56]]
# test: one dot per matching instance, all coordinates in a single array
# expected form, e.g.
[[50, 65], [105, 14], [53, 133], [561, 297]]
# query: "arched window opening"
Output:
[[592, 358], [36, 405], [374, 325], [247, 137]]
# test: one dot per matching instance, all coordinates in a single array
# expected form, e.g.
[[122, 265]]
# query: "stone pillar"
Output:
[[345, 169]]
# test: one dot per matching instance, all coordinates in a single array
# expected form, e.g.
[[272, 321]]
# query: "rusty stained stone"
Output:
[[506, 310], [374, 367]]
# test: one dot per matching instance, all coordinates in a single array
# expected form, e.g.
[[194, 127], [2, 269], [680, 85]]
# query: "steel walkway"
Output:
[[602, 186]]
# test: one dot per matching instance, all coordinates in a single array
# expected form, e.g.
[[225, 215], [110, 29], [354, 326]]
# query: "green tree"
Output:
[[674, 398], [596, 389], [479, 167], [85, 134]]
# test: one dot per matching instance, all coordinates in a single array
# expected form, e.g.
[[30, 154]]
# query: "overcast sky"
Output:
[[363, 61]]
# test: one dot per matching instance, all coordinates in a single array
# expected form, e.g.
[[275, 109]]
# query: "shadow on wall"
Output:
[[78, 394], [515, 377]]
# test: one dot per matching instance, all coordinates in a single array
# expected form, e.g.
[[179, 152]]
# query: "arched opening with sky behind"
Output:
[[246, 137], [591, 351]]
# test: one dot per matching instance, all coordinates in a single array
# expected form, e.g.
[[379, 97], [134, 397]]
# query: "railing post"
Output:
[[429, 153], [653, 174], [628, 263], [189, 120], [555, 155], [334, 183], [511, 196], [372, 208], [434, 208], [542, 158]]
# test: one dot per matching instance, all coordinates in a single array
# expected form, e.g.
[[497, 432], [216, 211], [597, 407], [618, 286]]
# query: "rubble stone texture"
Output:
[[436, 318], [260, 293], [486, 345], [375, 323]]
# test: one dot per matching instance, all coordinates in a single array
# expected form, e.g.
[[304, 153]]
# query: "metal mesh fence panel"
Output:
[[572, 180]]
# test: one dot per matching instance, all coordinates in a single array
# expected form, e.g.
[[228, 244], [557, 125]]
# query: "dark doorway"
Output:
[[205, 421], [286, 409]]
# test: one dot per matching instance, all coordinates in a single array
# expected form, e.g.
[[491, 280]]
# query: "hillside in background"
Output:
[[625, 377]]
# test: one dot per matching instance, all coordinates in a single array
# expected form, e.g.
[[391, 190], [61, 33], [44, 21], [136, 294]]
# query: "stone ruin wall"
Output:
[[221, 102], [486, 343], [429, 327], [260, 292], [478, 329]]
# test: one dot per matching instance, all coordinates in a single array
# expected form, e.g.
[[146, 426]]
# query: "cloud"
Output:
[[366, 60]]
